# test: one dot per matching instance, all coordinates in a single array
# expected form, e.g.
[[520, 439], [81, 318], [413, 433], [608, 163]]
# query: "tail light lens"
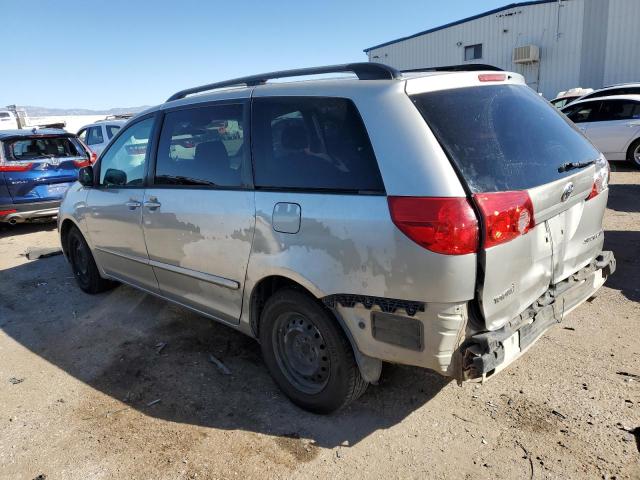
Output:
[[15, 166], [600, 178], [506, 215], [82, 163], [442, 225]]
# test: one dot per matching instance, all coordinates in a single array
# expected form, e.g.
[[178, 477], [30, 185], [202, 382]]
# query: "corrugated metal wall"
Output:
[[622, 61], [557, 28]]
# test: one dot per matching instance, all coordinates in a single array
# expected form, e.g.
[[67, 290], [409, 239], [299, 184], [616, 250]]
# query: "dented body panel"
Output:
[[211, 249]]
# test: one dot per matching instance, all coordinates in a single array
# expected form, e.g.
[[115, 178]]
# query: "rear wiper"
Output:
[[565, 167]]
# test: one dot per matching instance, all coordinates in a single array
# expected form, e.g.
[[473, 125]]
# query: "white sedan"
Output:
[[612, 123]]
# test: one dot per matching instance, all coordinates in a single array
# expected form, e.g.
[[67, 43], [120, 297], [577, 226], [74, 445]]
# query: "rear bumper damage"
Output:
[[486, 353]]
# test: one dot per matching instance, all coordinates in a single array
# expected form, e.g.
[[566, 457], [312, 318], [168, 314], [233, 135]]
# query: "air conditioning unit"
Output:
[[526, 54]]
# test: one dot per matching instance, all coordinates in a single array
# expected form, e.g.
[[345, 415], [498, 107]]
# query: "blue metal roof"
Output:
[[464, 20]]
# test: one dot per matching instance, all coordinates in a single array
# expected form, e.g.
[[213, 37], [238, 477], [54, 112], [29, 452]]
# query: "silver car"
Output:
[[439, 219], [98, 135]]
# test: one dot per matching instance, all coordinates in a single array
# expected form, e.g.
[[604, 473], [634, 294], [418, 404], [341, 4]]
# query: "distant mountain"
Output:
[[50, 112]]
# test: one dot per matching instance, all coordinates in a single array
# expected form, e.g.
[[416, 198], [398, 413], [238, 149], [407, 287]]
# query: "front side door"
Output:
[[616, 125], [198, 212], [114, 221]]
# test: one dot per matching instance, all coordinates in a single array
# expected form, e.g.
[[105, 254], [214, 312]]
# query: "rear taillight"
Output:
[[83, 163], [600, 178], [6, 212], [506, 215], [15, 166], [440, 224]]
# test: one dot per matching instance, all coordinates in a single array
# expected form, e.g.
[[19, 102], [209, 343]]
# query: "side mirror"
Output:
[[85, 176], [115, 177]]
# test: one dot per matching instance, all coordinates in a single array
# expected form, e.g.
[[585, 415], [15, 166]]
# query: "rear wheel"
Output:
[[307, 353], [633, 155], [84, 266]]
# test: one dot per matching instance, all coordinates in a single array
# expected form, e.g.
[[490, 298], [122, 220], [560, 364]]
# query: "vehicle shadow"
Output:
[[624, 197], [114, 343], [626, 247], [44, 225]]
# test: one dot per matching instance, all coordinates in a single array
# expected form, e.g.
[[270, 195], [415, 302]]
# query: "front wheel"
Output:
[[307, 353], [84, 266], [633, 154]]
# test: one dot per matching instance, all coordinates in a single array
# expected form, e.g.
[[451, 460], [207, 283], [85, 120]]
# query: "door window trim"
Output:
[[247, 163], [150, 150]]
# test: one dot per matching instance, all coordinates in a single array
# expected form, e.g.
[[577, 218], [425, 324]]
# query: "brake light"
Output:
[[506, 215], [15, 166], [492, 77], [440, 224], [600, 178], [6, 212], [83, 163]]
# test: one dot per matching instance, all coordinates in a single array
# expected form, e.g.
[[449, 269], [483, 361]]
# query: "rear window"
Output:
[[312, 143], [42, 147], [503, 137], [112, 130]]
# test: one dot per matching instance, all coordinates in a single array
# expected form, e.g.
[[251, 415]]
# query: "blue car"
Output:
[[36, 168]]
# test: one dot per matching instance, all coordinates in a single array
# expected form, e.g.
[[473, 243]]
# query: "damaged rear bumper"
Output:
[[485, 353]]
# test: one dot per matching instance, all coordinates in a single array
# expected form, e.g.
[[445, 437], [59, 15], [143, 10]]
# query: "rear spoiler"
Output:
[[469, 67]]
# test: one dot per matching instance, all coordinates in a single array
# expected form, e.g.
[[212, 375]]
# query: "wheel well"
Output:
[[65, 228], [263, 291], [632, 147]]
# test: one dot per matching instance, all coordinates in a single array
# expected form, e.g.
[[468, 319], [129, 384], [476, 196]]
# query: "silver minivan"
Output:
[[441, 219]]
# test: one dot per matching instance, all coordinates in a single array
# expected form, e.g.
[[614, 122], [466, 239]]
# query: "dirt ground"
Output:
[[87, 392]]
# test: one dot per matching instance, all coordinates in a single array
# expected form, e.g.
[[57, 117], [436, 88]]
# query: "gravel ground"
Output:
[[88, 391]]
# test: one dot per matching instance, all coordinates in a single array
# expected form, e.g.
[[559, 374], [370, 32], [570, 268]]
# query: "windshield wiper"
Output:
[[181, 180], [565, 167]]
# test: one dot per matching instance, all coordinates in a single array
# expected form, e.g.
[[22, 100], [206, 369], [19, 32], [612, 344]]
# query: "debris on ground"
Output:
[[15, 381], [570, 328], [558, 414], [36, 253], [221, 366], [631, 375], [150, 404], [159, 347]]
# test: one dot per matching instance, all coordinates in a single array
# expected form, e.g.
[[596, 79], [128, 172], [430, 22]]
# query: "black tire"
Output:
[[84, 266], [307, 353], [633, 154]]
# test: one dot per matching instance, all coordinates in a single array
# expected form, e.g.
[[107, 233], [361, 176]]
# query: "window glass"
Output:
[[583, 112], [614, 91], [48, 147], [312, 143], [123, 163], [473, 52], [202, 146], [618, 110], [503, 137], [82, 135], [94, 136], [112, 130], [4, 114]]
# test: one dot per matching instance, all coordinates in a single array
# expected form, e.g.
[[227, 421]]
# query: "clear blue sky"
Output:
[[121, 53]]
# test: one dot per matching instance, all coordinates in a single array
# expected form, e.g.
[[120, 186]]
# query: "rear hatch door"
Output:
[[529, 172], [41, 167]]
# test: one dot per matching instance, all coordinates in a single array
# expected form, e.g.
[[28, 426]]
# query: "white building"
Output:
[[567, 43]]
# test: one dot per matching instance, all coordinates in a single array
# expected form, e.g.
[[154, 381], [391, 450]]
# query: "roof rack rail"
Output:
[[469, 67], [363, 70]]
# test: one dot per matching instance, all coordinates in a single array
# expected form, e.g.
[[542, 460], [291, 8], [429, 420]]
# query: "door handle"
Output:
[[133, 204], [152, 203]]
